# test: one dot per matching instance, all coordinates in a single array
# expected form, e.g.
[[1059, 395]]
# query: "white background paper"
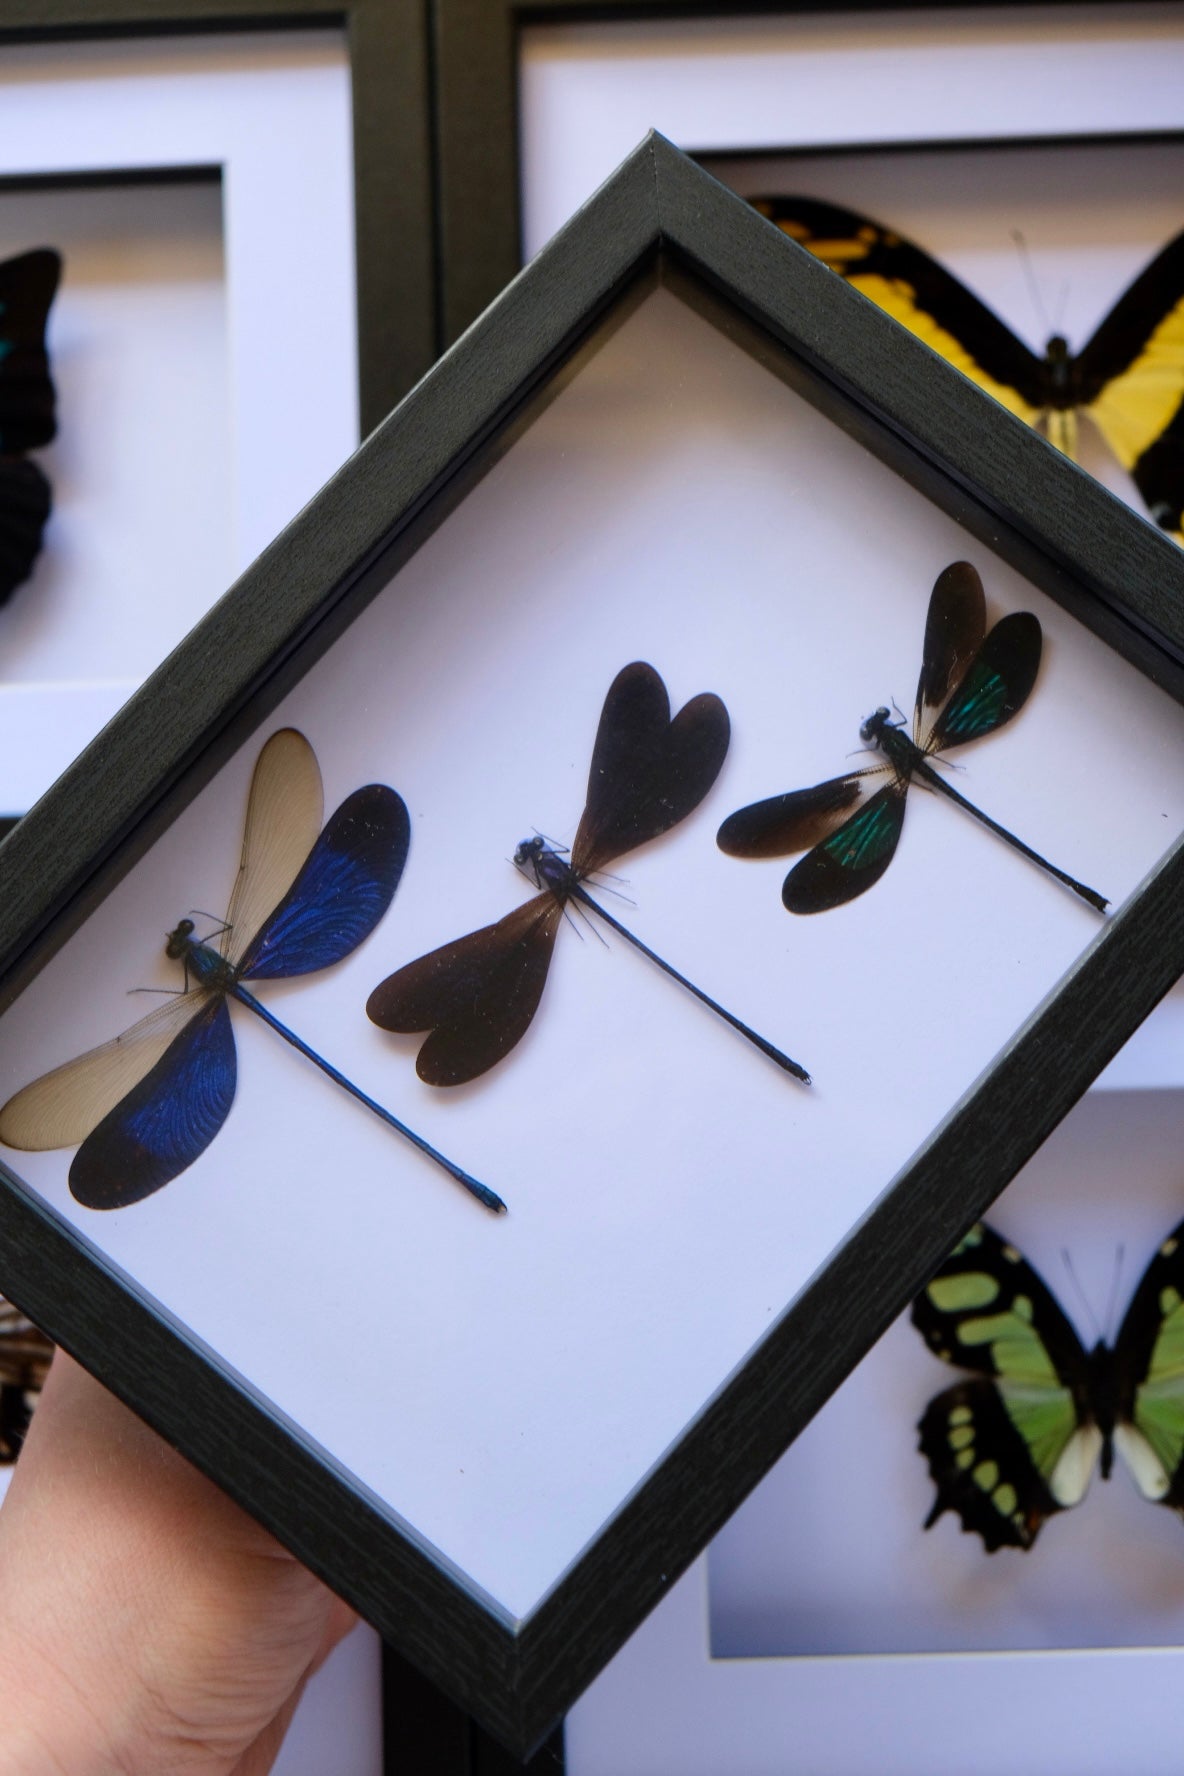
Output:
[[669, 1190]]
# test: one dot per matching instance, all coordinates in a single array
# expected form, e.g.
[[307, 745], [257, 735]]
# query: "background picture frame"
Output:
[[714, 83], [958, 452], [754, 1668], [386, 42], [165, 249], [563, 86], [142, 120]]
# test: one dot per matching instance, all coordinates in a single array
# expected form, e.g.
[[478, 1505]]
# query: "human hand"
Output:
[[148, 1627]]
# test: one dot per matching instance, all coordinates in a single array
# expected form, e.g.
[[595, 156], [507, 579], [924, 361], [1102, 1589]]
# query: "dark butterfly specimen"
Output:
[[1020, 1440], [971, 683], [25, 1355], [478, 995], [147, 1104], [1128, 380], [27, 287]]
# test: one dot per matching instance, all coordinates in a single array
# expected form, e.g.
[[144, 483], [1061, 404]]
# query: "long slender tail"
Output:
[[766, 1048], [482, 1192], [925, 771]]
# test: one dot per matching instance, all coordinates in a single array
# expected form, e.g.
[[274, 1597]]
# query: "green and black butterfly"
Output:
[[1021, 1439], [1128, 380], [972, 682], [28, 284]]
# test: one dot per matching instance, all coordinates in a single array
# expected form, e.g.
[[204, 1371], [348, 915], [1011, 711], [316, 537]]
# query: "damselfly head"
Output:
[[178, 939], [874, 726], [528, 852]]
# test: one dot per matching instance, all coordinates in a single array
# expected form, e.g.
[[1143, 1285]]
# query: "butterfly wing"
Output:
[[25, 503], [916, 291], [341, 893], [648, 772], [477, 996], [284, 813], [61, 1108], [166, 1121], [1131, 382], [996, 686], [1149, 1361], [27, 287], [1019, 1442]]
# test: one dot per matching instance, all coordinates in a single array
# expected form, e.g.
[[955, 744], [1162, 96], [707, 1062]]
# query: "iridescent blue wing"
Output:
[[284, 813], [340, 894], [166, 1121]]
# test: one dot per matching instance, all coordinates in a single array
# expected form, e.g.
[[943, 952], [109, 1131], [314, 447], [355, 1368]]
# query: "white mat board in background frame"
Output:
[[850, 1497], [274, 392], [587, 92], [669, 1190], [721, 88]]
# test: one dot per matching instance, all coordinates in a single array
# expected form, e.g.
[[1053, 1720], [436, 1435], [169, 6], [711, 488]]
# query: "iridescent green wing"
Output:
[[995, 687], [1020, 1440], [852, 858], [1149, 1360], [955, 625]]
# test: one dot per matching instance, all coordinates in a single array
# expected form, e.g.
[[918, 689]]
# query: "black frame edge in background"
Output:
[[975, 461], [394, 230], [477, 140], [387, 45], [427, 1735]]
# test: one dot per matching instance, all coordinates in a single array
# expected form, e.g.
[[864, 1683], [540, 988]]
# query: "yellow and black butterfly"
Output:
[[1128, 380], [1019, 1442]]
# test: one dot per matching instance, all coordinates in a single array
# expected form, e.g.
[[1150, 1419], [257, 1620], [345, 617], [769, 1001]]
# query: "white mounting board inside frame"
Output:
[[194, 417], [670, 1191], [824, 1601], [972, 125]]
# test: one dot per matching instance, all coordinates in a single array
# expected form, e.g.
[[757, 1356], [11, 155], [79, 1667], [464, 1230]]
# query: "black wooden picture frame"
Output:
[[1005, 486], [387, 44], [477, 148]]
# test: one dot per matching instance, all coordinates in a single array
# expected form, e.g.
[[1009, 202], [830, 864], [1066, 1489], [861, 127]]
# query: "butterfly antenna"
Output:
[[1082, 1297], [1112, 1304], [1033, 286]]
